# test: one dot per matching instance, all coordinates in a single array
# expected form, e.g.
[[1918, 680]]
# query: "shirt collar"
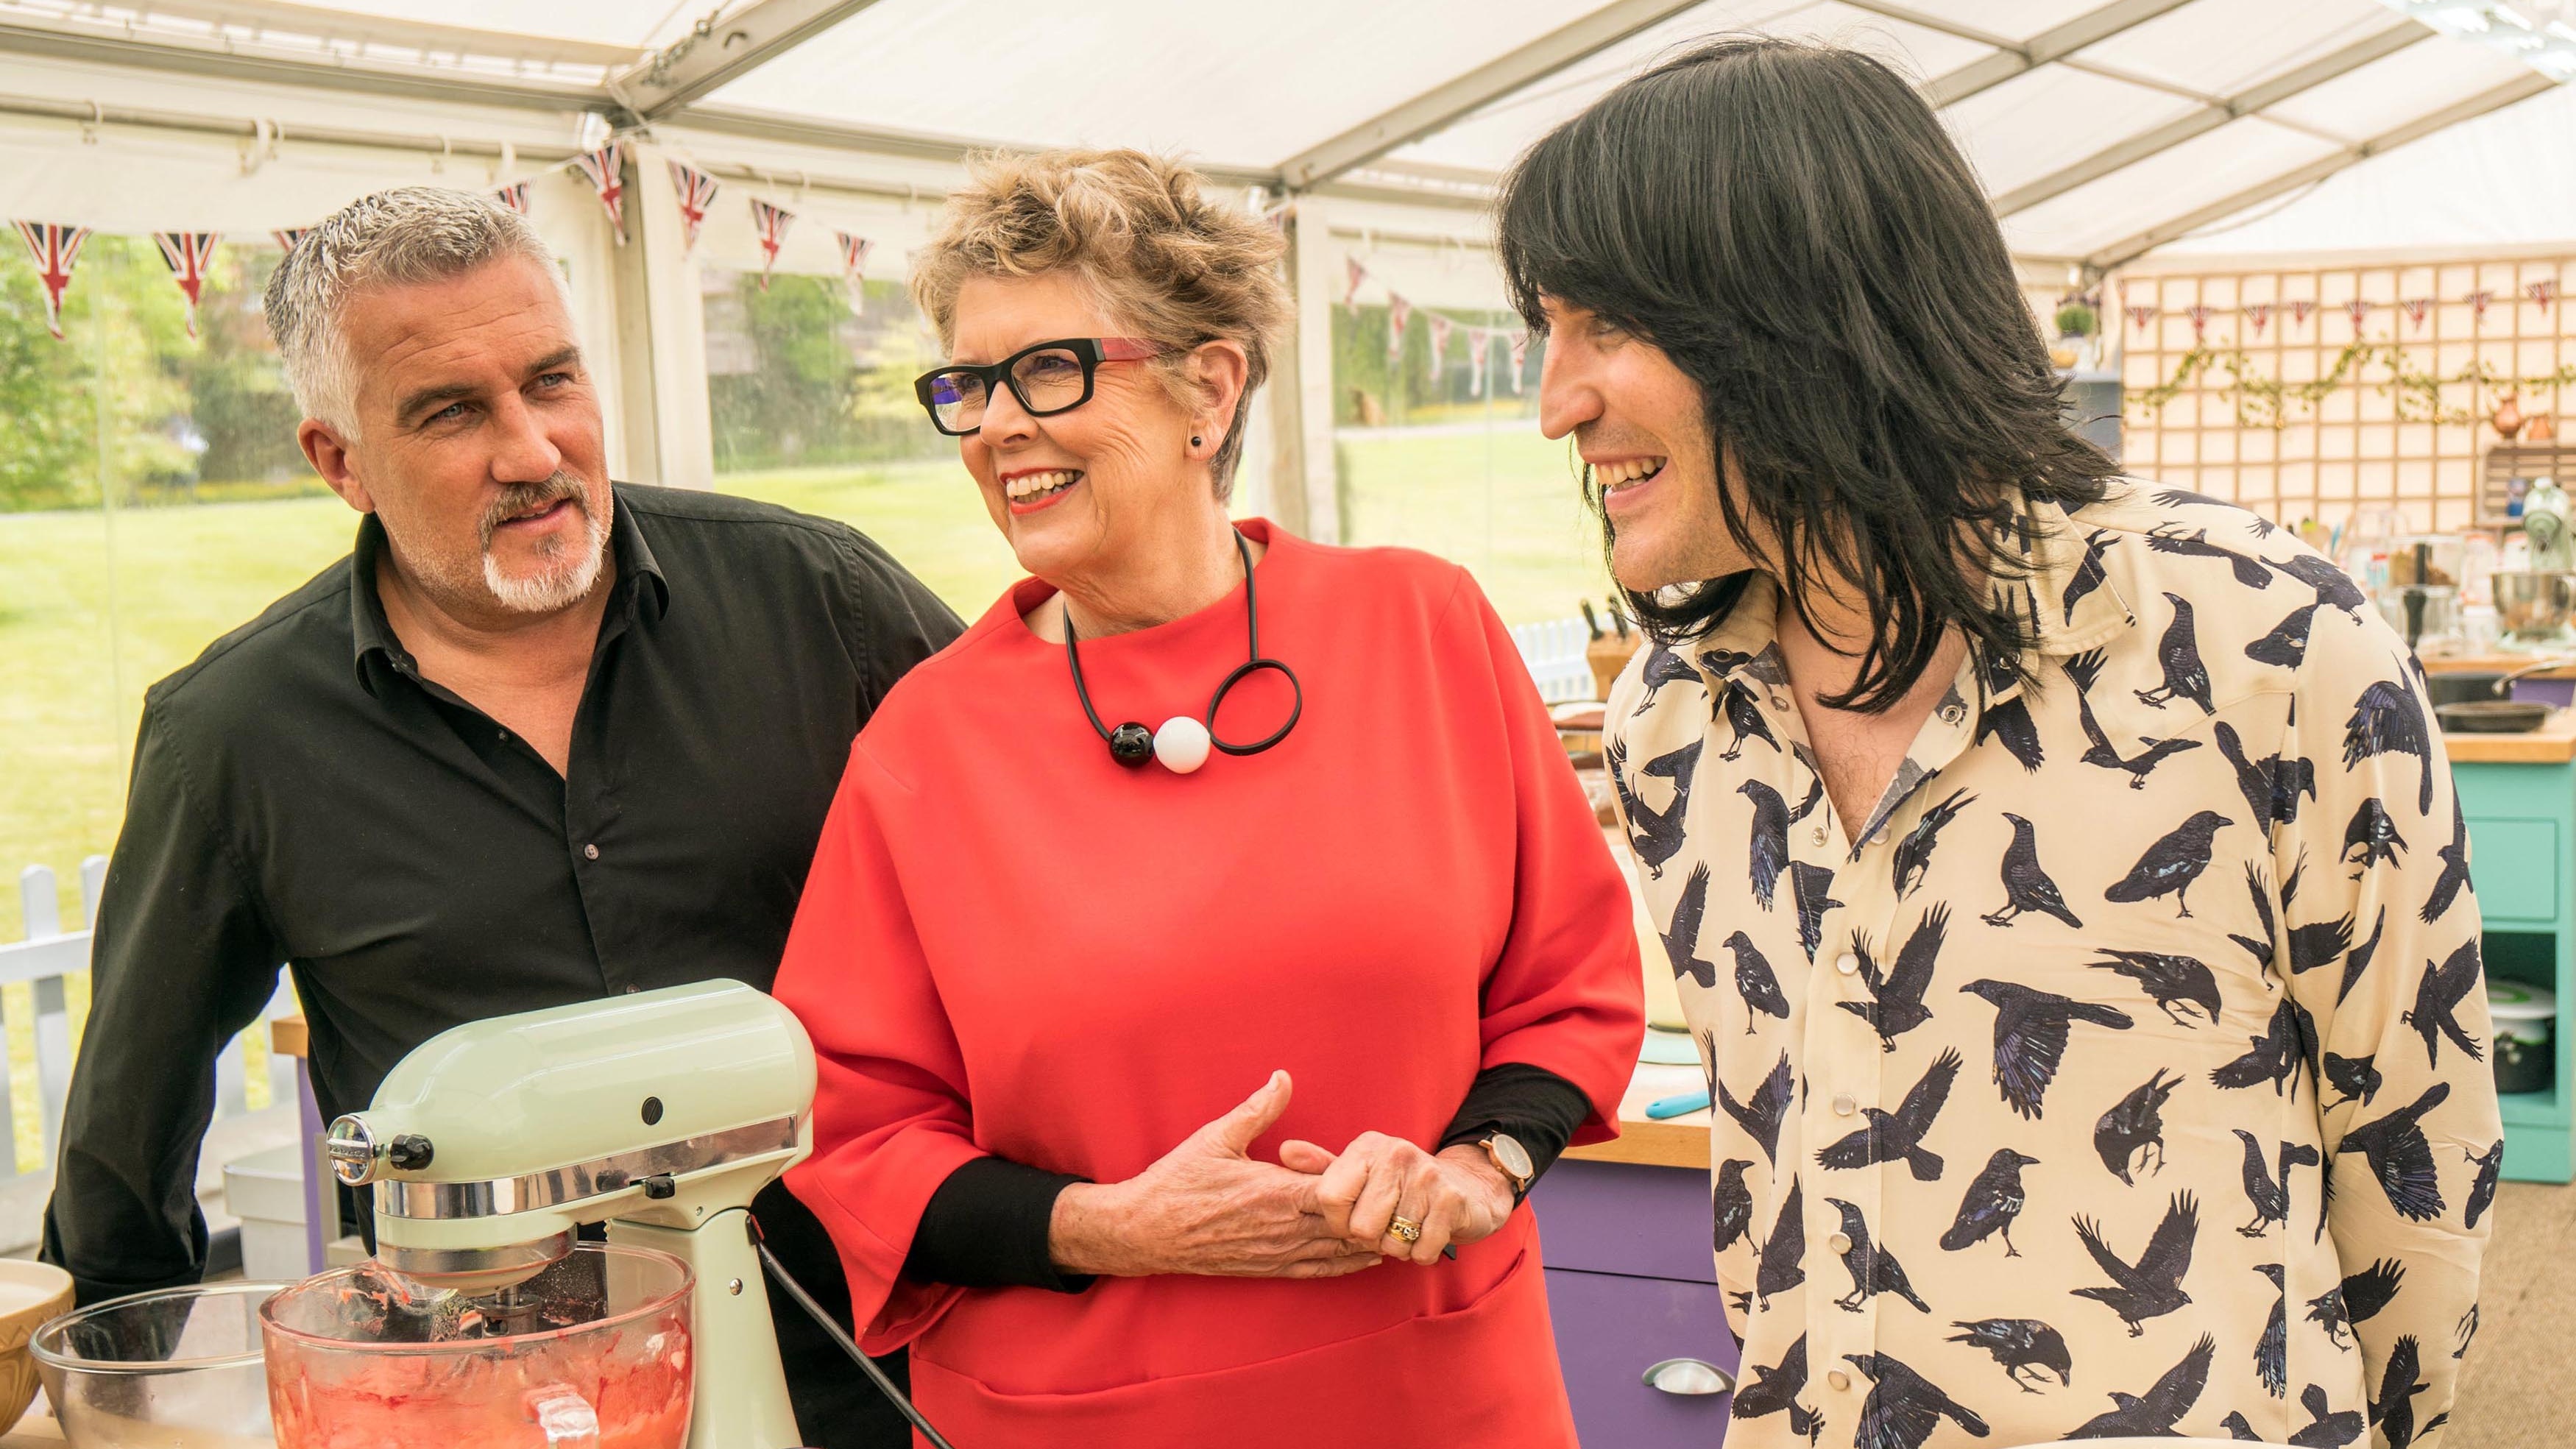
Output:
[[373, 637]]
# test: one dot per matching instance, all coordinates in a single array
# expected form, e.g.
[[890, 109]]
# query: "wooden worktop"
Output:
[[2494, 664], [2554, 743], [1675, 1142]]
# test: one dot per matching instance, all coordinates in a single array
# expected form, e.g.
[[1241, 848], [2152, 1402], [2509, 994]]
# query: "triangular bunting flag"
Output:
[[2299, 312], [2416, 308], [1351, 293], [55, 249], [2478, 302], [2257, 314], [1439, 348], [605, 170], [854, 265], [2199, 313], [1397, 310], [187, 252], [772, 223], [696, 191], [2356, 309], [2140, 316], [514, 196], [288, 236], [2540, 292], [1520, 360], [1479, 343]]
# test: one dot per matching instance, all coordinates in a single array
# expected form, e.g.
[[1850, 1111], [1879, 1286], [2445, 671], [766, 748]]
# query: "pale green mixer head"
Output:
[[492, 1141]]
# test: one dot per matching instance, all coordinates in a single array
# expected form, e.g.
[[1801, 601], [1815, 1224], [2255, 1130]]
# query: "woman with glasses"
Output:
[[1208, 949]]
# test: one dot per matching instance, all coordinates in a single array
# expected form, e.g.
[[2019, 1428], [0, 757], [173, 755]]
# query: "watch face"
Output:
[[1510, 1156]]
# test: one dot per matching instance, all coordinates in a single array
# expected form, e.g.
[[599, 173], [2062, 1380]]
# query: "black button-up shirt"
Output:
[[302, 795]]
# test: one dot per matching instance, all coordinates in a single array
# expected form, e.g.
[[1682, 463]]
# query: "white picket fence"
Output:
[[43, 961], [1554, 652]]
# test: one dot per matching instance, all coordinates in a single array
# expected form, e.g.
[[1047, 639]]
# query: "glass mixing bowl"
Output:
[[177, 1369], [592, 1353]]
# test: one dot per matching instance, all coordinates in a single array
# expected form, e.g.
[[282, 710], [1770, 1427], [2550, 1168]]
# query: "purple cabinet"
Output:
[[1629, 1285]]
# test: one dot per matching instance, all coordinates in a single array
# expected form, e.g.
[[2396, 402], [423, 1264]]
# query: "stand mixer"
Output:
[[660, 1113]]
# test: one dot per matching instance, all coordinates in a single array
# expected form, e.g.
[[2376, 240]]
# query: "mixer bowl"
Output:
[[180, 1367], [592, 1353], [2535, 607]]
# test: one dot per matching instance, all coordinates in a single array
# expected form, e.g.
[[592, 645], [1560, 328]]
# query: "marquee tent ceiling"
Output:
[[2104, 128]]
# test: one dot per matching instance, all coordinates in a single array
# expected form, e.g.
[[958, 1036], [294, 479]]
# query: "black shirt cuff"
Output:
[[986, 1227], [1532, 1105]]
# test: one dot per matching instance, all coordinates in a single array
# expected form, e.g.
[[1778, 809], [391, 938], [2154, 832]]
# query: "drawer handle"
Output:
[[1689, 1376]]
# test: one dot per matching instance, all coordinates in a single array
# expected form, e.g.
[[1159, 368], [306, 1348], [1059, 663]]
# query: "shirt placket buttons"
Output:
[[1838, 1379]]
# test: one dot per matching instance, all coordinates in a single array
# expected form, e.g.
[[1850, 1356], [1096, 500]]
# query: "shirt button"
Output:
[[1817, 835], [591, 852], [1839, 1242], [1847, 963], [1838, 1379], [1844, 1106], [632, 989]]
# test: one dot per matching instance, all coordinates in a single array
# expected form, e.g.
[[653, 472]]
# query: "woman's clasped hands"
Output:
[[1207, 1207]]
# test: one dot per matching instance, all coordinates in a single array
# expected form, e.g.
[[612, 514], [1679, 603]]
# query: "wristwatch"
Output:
[[1512, 1160]]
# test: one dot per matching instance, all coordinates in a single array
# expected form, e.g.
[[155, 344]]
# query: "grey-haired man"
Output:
[[538, 739]]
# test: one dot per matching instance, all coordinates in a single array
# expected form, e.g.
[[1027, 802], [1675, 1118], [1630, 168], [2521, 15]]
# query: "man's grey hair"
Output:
[[402, 237]]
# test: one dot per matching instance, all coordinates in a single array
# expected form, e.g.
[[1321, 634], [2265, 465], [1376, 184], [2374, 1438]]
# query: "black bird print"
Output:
[[1755, 982], [2274, 1057], [2355, 1078], [2374, 834], [1663, 667], [2154, 1413], [1992, 1202], [2030, 1036], [2249, 571], [2318, 942], [2466, 1331], [2270, 1198], [2483, 1188], [2237, 1429], [1873, 1269], [2455, 867], [2401, 1161], [1815, 797], [2135, 1125], [2356, 1299], [2153, 1286], [2027, 886], [2009, 720], [1898, 1135], [1903, 1407], [2253, 780], [2324, 1430], [2393, 1410], [2169, 981], [2021, 1345], [2258, 948], [1775, 1389], [1896, 1000], [1781, 1266], [1761, 1119], [2272, 1350], [2185, 676], [2389, 720], [1768, 851], [1681, 941], [2290, 779], [2357, 960], [1811, 887], [1655, 835], [1732, 1202], [2089, 572], [2335, 588], [1745, 718], [2287, 645], [2438, 994], [1913, 854], [2084, 669], [2171, 864]]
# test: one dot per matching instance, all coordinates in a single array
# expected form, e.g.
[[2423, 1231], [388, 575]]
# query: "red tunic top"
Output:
[[1011, 944]]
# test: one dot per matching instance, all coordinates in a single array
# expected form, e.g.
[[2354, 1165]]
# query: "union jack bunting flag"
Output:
[[2199, 315], [854, 266], [2299, 311], [2257, 314], [513, 196], [1479, 343], [2416, 308], [605, 170], [1439, 348], [2357, 309], [1351, 293], [696, 191], [2541, 292], [2478, 302], [1520, 360], [1398, 311], [772, 223], [288, 236], [55, 249], [187, 252], [2140, 316]]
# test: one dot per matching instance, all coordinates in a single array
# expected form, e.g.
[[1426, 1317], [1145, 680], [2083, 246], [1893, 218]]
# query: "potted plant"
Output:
[[2077, 327]]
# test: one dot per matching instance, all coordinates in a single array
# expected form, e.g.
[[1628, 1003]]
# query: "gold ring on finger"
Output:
[[1404, 1229]]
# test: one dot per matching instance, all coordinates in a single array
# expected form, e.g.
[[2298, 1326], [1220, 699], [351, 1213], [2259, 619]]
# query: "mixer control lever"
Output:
[[409, 1152], [660, 1186]]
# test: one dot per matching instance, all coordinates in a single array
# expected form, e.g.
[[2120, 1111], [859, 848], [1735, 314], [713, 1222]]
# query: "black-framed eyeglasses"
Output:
[[1049, 378]]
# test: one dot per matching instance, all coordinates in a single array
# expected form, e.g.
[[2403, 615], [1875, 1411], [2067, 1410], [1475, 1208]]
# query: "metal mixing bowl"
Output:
[[2536, 607], [178, 1366]]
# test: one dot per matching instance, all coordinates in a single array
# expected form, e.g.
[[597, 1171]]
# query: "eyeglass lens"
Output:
[[1046, 381]]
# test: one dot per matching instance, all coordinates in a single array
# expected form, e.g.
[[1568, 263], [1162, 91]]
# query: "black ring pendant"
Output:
[[1242, 672]]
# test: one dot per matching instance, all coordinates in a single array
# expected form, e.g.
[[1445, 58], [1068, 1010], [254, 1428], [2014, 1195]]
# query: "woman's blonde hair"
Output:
[[1141, 234]]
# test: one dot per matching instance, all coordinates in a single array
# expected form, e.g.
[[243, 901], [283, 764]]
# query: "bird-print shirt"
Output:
[[2123, 1073]]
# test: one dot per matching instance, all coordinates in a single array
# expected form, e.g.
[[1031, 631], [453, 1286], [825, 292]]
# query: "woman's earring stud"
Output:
[[1195, 440]]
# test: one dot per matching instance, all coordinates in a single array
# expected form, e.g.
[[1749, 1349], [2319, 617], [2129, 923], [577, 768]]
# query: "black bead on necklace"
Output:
[[1182, 744]]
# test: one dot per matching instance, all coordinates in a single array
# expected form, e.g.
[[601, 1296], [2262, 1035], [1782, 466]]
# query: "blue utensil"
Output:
[[1677, 1105]]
